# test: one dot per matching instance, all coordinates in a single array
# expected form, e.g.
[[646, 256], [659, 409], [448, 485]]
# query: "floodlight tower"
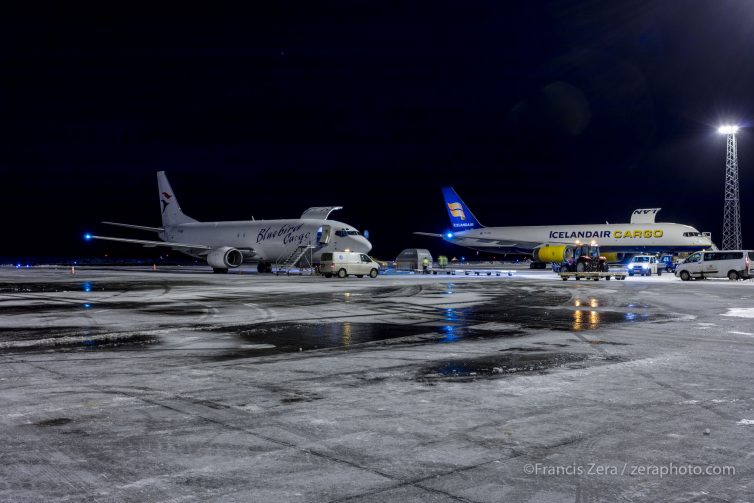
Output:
[[732, 212]]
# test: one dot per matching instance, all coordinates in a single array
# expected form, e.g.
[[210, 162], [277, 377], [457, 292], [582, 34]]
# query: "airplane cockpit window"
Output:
[[345, 232], [691, 234]]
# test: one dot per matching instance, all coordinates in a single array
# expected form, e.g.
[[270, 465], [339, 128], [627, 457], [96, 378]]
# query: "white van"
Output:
[[733, 264], [344, 263]]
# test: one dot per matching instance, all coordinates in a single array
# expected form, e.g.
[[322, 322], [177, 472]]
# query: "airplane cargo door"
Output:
[[323, 235]]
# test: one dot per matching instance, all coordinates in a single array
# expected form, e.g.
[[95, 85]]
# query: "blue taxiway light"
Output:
[[449, 235]]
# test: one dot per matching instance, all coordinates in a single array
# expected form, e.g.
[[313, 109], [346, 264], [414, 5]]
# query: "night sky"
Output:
[[536, 112]]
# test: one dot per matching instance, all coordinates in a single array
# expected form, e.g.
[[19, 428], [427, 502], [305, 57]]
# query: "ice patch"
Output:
[[746, 421], [740, 312], [740, 333], [495, 326]]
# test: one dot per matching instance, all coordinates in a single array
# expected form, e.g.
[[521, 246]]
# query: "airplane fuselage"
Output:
[[270, 240], [627, 238]]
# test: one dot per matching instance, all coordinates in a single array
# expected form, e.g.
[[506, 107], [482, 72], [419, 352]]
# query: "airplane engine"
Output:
[[552, 253], [224, 257], [616, 257]]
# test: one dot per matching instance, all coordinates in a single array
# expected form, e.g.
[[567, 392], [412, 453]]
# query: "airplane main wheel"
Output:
[[373, 273], [685, 276], [342, 273], [219, 270]]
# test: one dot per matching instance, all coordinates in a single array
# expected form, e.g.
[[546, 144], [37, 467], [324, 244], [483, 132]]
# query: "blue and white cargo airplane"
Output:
[[225, 245], [547, 243]]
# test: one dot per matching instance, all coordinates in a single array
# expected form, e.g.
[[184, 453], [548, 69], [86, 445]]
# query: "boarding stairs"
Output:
[[301, 256]]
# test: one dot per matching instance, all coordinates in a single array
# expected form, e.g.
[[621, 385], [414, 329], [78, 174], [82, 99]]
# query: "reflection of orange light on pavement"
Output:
[[578, 319], [346, 334]]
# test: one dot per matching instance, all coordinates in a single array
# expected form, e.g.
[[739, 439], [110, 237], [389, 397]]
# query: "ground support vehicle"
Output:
[[594, 275]]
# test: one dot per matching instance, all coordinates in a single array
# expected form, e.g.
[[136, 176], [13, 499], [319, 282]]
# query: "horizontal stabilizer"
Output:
[[644, 216], [319, 212], [139, 227]]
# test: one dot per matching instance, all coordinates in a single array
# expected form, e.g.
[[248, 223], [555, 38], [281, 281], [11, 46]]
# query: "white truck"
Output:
[[644, 265], [733, 264]]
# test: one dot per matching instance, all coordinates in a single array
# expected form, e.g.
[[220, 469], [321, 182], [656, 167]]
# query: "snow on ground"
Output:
[[741, 312], [128, 385]]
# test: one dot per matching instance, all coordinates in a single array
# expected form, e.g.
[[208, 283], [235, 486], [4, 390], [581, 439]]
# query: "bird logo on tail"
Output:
[[456, 210], [164, 200]]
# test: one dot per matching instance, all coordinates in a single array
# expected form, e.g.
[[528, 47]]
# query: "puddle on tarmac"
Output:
[[513, 362], [508, 312], [91, 286], [58, 421], [287, 337]]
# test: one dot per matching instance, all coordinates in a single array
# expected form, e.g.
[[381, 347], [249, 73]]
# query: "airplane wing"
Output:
[[197, 249], [428, 234], [152, 244], [139, 227], [489, 241]]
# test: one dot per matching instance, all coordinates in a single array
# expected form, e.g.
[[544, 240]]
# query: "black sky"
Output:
[[537, 113]]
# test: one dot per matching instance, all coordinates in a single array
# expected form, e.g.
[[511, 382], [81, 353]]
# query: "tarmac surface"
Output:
[[125, 384]]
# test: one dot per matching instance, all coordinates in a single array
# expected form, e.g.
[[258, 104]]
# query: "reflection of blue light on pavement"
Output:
[[630, 316], [87, 287], [87, 306], [449, 332]]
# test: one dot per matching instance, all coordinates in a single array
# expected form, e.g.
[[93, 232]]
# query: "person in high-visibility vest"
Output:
[[425, 265]]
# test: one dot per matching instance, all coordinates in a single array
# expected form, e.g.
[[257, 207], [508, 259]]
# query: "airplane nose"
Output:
[[361, 244]]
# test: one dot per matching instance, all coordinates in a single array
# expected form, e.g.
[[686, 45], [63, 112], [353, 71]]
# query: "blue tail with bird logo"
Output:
[[461, 217]]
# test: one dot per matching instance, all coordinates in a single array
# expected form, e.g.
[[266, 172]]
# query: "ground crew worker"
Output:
[[425, 265]]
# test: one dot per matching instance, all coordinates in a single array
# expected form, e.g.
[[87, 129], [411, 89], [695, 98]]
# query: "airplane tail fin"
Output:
[[171, 212], [461, 217]]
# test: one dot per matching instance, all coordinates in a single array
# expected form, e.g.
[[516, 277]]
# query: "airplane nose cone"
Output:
[[361, 244]]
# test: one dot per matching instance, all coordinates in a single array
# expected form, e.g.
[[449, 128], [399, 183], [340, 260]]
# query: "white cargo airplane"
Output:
[[548, 243], [225, 245]]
